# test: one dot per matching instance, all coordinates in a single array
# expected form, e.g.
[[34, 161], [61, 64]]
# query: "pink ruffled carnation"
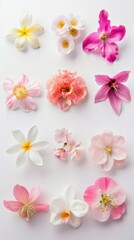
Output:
[[65, 89]]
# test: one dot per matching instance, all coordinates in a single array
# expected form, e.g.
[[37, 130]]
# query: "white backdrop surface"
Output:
[[84, 120]]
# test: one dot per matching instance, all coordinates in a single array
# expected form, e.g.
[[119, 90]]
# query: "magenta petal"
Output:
[[123, 92], [102, 94], [102, 79], [117, 33], [103, 21], [122, 76], [109, 51], [115, 102], [91, 42]]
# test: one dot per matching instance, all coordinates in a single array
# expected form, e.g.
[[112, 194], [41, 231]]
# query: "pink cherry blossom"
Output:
[[105, 38], [106, 199], [65, 89], [61, 153], [113, 89], [62, 135], [108, 150], [26, 203], [20, 95]]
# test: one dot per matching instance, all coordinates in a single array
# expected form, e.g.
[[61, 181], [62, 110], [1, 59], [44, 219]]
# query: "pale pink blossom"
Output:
[[105, 38], [108, 150], [106, 199], [27, 203], [20, 95], [66, 89], [61, 153], [77, 152], [62, 135], [114, 90]]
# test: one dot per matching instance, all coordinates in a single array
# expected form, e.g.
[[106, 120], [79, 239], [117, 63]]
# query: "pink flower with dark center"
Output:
[[65, 89], [113, 89], [26, 204], [105, 38], [106, 199]]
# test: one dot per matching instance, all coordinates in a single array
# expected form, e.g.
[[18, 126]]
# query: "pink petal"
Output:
[[34, 194], [102, 94], [34, 89], [109, 51], [122, 76], [41, 207], [11, 102], [12, 205], [21, 194], [91, 42], [115, 102], [28, 104], [102, 79], [117, 33], [101, 214], [107, 139], [123, 92], [8, 84], [118, 141], [119, 163], [92, 196], [99, 156], [118, 196], [117, 212], [108, 165], [105, 184], [96, 142], [23, 81], [119, 153], [103, 21]]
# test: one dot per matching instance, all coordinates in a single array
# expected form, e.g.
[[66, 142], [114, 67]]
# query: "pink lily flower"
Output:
[[113, 89], [27, 203], [105, 38]]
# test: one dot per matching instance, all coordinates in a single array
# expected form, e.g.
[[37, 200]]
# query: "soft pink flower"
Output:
[[27, 203], [21, 95], [106, 199], [62, 135], [108, 150], [66, 89], [113, 89], [77, 152], [105, 38], [61, 153]]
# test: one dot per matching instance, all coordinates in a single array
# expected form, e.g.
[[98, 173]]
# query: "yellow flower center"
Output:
[[27, 212], [73, 32], [104, 36], [108, 150], [65, 43], [60, 24], [73, 22], [20, 92], [26, 146], [23, 32], [105, 199], [65, 215]]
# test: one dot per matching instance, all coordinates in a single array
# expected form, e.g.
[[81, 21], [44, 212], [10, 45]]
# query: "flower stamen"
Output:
[[73, 32], [65, 215], [27, 212], [65, 43], [108, 150], [104, 36], [20, 92], [26, 146], [61, 24]]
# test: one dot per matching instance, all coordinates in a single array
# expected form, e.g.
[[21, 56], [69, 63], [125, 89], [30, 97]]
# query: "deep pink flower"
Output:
[[113, 89], [106, 199], [105, 38], [65, 89], [27, 203]]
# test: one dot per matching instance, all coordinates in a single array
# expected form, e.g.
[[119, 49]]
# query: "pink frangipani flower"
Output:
[[26, 203], [113, 89], [20, 95], [65, 89], [108, 150], [106, 199], [105, 38]]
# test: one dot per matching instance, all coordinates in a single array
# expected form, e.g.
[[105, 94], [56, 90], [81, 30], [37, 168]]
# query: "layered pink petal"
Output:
[[23, 81], [105, 184], [119, 163], [102, 79], [99, 156], [102, 94], [103, 21], [12, 205], [119, 153], [117, 212], [117, 34], [108, 165], [91, 42], [21, 194], [115, 102], [123, 92], [107, 139], [8, 85], [109, 51], [11, 102], [122, 76], [28, 104], [118, 141], [96, 142], [101, 214], [92, 196], [118, 196], [34, 194], [34, 89], [41, 207]]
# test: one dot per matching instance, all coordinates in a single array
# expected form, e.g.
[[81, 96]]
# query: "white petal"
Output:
[[101, 214], [70, 45], [32, 134], [26, 19], [20, 43], [78, 208], [55, 219], [19, 136], [58, 205], [39, 145], [119, 153], [36, 158], [12, 34], [36, 29], [107, 166], [68, 195], [14, 149], [74, 221], [21, 160], [33, 42]]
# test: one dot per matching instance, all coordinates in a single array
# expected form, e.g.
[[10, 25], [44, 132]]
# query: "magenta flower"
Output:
[[105, 38], [113, 89], [27, 203]]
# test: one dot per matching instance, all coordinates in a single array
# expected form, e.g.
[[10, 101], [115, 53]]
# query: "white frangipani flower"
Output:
[[27, 147], [26, 34], [67, 208]]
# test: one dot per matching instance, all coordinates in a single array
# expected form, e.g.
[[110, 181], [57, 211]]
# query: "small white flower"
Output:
[[65, 44], [26, 34], [75, 22], [60, 25], [68, 209], [27, 148], [74, 33]]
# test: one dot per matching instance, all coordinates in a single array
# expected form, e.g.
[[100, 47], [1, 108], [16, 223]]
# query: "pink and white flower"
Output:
[[65, 44], [61, 153], [108, 150], [60, 25], [105, 38], [106, 199], [114, 90], [62, 135], [66, 89], [75, 22], [27, 203], [20, 95], [67, 209]]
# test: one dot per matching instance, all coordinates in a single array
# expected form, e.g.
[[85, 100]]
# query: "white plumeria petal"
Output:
[[21, 159], [19, 136], [36, 158], [55, 219], [12, 34], [78, 208], [39, 145], [68, 195], [32, 134], [36, 29], [65, 44], [26, 19], [14, 149], [74, 221], [33, 42], [101, 214], [20, 43], [58, 205]]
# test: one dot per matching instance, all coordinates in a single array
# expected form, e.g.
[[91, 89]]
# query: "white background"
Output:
[[84, 120]]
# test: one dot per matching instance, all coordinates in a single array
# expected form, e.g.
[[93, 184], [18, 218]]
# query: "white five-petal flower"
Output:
[[27, 147], [67, 208], [26, 34], [65, 44]]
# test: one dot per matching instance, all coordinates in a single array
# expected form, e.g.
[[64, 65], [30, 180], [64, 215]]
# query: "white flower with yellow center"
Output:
[[26, 34], [67, 208], [27, 147], [60, 25], [65, 44], [75, 22]]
